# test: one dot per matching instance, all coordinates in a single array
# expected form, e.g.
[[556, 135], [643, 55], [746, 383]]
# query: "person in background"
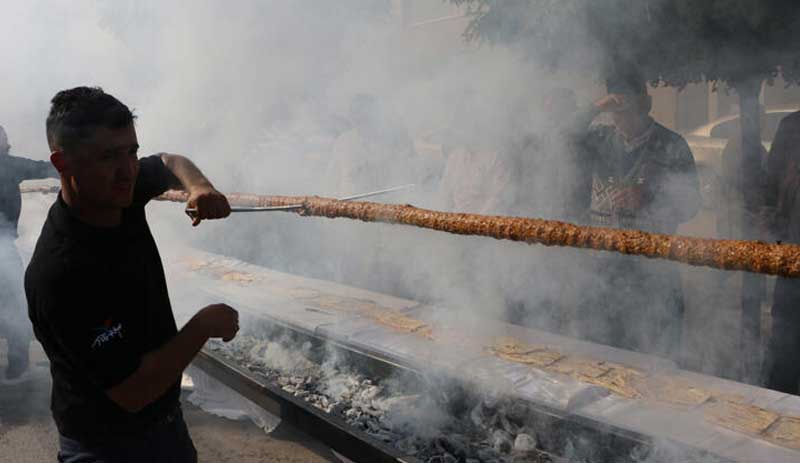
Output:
[[14, 324], [477, 178], [737, 217], [97, 294], [634, 174], [781, 369]]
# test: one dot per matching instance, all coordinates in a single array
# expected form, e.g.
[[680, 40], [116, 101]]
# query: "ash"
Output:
[[436, 423], [434, 419]]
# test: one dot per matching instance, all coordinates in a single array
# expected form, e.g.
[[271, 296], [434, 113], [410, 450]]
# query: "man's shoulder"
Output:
[[54, 259], [600, 138], [672, 142], [792, 121], [667, 134], [48, 263]]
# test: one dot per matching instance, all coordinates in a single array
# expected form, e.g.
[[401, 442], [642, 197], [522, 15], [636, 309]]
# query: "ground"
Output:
[[28, 434]]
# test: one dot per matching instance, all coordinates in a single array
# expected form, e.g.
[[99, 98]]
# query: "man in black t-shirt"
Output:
[[96, 290], [13, 324]]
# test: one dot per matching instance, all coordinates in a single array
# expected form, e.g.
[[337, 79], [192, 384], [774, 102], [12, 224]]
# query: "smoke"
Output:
[[262, 95], [331, 98], [314, 98]]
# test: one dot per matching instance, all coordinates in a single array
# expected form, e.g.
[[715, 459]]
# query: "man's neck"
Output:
[[89, 213], [636, 129]]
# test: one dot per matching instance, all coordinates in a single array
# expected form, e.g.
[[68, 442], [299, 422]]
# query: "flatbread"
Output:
[[426, 331], [195, 263], [339, 303], [539, 358], [785, 431], [512, 346], [676, 391], [398, 321], [620, 380], [239, 277], [740, 417], [579, 367], [513, 350]]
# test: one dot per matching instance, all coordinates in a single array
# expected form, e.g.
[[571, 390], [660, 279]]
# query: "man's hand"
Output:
[[209, 203], [612, 103], [218, 321], [628, 199]]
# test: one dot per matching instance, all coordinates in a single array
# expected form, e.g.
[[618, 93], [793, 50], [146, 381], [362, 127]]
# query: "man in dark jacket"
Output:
[[637, 174], [14, 324], [782, 370]]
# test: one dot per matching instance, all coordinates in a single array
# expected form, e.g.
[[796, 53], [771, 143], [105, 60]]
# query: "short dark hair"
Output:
[[77, 110]]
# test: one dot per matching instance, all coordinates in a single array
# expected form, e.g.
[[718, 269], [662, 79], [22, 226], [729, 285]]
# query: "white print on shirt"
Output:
[[107, 335]]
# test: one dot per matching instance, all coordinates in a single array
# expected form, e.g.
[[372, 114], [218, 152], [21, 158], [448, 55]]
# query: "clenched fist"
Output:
[[218, 321], [210, 204]]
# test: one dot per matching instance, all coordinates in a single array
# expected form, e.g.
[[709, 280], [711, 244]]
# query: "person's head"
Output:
[[637, 103], [93, 146], [4, 146]]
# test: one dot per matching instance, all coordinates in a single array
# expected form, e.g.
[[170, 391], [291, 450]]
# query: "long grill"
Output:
[[379, 388]]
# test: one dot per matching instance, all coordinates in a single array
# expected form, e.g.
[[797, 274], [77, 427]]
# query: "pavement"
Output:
[[28, 433]]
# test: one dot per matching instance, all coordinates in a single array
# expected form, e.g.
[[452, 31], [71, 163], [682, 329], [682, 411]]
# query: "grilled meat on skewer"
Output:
[[751, 256]]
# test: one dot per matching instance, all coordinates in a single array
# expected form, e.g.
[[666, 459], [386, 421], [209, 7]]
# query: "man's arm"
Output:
[[161, 368], [210, 203], [677, 198], [99, 346], [581, 146], [786, 142]]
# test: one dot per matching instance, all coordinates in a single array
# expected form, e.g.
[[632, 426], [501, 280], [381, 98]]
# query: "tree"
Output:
[[669, 42]]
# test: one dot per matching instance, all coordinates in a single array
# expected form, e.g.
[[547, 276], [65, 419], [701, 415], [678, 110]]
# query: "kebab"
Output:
[[752, 256]]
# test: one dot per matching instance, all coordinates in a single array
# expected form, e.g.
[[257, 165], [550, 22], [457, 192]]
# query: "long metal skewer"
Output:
[[192, 212]]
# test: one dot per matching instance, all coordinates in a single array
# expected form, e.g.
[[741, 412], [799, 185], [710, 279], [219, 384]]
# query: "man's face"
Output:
[[103, 169], [630, 111]]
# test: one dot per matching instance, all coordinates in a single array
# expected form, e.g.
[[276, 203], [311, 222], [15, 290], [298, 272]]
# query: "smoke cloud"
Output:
[[328, 98]]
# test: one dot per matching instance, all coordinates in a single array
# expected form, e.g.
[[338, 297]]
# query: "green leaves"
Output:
[[672, 42]]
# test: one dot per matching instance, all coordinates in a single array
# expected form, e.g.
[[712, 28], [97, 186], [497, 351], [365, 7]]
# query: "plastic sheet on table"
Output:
[[525, 382], [213, 397]]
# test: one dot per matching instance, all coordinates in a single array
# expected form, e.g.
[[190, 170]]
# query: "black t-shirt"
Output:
[[98, 301], [14, 170]]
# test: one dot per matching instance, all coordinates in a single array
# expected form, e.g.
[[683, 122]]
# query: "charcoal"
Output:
[[456, 445], [503, 423], [489, 454], [524, 443], [502, 441], [339, 408], [479, 427], [478, 416], [373, 426], [518, 413], [407, 445]]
